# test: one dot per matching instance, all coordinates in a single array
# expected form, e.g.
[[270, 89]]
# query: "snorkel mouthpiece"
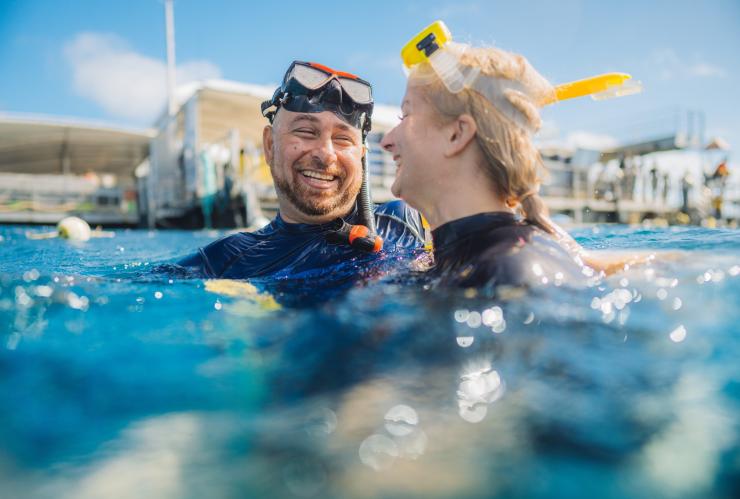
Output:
[[428, 45]]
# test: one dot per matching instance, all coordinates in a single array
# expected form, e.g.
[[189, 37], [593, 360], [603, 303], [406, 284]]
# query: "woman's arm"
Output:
[[607, 262]]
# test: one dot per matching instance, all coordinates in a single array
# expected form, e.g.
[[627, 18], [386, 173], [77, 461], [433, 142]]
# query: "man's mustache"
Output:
[[318, 165]]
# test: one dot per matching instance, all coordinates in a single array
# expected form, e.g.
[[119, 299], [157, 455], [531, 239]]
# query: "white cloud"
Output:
[[123, 82], [669, 65], [706, 69]]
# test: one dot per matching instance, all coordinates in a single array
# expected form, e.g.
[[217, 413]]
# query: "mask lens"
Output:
[[308, 76], [359, 92]]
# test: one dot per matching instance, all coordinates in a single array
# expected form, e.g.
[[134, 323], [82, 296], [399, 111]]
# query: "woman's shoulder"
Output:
[[523, 255]]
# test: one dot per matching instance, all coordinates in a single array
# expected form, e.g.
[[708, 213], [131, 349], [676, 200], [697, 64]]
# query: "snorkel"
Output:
[[434, 46], [309, 87]]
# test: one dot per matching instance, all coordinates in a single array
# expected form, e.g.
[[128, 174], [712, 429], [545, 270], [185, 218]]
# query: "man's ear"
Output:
[[459, 134], [267, 143]]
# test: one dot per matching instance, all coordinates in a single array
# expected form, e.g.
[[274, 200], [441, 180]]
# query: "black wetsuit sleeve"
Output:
[[197, 264]]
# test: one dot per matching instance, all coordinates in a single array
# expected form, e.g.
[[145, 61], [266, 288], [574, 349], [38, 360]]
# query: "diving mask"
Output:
[[309, 87]]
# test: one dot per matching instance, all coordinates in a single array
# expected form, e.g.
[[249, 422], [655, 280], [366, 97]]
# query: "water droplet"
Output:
[[401, 420], [499, 327], [662, 294], [677, 303], [321, 422], [158, 295], [31, 275], [474, 320], [465, 341], [537, 269], [678, 334], [217, 305], [473, 413], [378, 452], [492, 315], [77, 302], [461, 315], [413, 445]]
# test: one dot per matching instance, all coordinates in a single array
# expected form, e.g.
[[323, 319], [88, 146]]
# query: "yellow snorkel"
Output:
[[600, 87], [434, 45]]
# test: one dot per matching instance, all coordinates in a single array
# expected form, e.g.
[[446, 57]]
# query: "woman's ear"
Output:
[[459, 133]]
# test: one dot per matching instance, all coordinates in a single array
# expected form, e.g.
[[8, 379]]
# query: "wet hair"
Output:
[[512, 162]]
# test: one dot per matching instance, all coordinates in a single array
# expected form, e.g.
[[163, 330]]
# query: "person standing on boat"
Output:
[[316, 149], [654, 182]]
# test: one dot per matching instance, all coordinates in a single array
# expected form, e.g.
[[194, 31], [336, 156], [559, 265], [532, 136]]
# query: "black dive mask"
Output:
[[309, 87]]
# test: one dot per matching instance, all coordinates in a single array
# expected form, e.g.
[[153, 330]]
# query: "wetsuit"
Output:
[[287, 250], [496, 249]]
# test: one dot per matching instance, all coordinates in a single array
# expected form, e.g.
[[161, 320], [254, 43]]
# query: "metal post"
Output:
[[158, 157], [170, 31]]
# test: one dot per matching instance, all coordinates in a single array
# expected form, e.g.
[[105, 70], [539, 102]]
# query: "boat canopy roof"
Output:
[[43, 144]]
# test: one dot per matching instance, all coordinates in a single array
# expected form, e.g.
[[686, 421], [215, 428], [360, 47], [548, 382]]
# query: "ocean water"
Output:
[[116, 381]]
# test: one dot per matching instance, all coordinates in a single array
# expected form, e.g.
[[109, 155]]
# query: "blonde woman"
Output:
[[465, 159]]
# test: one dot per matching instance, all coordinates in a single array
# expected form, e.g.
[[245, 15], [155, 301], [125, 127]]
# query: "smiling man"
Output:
[[313, 161], [326, 230]]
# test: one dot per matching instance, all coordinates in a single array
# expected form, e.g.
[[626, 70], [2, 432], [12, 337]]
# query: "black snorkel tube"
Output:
[[331, 96], [362, 236]]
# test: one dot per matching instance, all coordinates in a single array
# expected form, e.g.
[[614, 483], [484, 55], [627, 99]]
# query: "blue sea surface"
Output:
[[118, 379]]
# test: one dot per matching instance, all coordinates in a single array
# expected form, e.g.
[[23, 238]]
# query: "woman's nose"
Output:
[[387, 142]]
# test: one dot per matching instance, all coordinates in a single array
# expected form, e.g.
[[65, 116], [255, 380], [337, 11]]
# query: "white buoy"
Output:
[[73, 228]]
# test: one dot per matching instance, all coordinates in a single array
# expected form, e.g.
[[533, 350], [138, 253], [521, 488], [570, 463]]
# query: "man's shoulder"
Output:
[[220, 254], [395, 206], [399, 223], [398, 209]]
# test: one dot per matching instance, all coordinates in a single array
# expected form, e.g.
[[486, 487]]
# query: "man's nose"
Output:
[[324, 151]]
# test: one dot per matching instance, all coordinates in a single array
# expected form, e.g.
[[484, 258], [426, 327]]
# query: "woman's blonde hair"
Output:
[[513, 163]]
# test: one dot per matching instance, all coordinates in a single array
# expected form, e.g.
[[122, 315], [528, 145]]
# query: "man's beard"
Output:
[[309, 203]]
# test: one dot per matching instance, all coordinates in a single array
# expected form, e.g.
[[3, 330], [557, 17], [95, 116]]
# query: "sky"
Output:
[[103, 60]]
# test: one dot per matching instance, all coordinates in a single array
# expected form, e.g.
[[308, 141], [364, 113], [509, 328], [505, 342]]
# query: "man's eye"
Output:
[[305, 131]]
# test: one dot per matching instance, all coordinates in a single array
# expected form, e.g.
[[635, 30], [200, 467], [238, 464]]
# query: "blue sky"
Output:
[[103, 60]]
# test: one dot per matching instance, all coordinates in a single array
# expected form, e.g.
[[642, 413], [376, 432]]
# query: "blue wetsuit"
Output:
[[295, 254]]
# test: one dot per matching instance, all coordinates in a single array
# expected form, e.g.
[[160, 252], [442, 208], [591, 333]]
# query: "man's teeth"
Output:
[[317, 175]]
